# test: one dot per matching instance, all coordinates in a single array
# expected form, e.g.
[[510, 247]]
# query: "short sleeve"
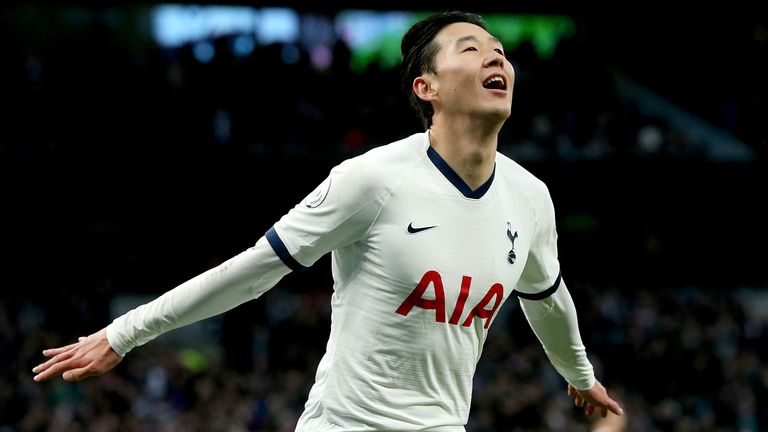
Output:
[[337, 213]]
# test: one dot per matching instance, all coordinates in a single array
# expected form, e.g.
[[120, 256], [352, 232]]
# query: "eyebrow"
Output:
[[473, 38]]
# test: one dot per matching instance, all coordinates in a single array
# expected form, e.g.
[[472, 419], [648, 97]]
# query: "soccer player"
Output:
[[429, 235]]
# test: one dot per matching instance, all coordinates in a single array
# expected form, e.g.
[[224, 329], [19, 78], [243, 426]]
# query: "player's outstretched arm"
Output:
[[554, 322], [594, 398], [89, 356]]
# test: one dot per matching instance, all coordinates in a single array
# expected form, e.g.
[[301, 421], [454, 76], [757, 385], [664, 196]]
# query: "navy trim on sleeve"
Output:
[[282, 251], [540, 295]]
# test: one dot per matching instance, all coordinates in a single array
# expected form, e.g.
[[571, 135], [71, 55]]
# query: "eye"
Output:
[[470, 49], [498, 50]]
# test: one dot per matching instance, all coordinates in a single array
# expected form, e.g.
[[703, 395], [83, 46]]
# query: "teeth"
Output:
[[494, 79]]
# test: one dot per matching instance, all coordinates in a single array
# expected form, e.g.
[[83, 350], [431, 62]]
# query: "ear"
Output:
[[425, 87]]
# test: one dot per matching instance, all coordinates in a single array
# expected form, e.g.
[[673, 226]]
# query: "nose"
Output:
[[495, 60]]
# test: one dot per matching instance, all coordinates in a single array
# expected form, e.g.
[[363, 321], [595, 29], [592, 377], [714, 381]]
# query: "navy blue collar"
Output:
[[457, 181]]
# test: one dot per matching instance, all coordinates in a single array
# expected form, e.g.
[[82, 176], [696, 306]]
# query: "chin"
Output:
[[502, 113]]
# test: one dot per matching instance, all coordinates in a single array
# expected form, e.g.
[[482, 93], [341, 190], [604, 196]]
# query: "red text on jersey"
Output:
[[416, 299]]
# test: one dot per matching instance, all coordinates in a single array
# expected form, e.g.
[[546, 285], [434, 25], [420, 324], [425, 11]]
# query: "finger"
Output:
[[80, 339], [56, 369], [571, 391], [610, 405], [50, 372], [57, 359], [589, 409], [604, 412], [56, 351], [614, 407], [579, 401]]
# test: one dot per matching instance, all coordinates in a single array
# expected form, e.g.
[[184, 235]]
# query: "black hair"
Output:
[[419, 49]]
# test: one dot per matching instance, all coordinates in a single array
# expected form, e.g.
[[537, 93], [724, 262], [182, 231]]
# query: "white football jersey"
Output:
[[421, 266]]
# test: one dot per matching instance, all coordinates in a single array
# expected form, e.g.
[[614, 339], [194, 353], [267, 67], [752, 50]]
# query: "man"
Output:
[[428, 235]]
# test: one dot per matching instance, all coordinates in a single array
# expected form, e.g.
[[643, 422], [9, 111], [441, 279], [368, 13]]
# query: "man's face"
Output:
[[473, 76]]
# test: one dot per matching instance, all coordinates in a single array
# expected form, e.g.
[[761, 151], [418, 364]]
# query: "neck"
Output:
[[468, 149]]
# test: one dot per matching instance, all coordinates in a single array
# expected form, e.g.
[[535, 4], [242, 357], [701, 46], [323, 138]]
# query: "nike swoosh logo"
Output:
[[413, 230]]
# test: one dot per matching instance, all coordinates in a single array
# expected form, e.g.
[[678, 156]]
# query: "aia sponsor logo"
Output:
[[481, 310]]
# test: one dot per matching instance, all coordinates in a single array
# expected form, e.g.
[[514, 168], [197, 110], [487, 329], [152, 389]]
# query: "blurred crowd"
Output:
[[679, 358]]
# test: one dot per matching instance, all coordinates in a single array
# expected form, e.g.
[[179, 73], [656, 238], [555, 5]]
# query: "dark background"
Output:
[[116, 183]]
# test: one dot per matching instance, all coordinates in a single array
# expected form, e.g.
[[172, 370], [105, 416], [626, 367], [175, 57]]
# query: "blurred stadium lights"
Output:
[[290, 54], [647, 65], [204, 51], [371, 35], [277, 25], [243, 45]]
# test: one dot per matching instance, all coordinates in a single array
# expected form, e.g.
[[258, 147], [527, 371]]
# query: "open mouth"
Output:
[[495, 82]]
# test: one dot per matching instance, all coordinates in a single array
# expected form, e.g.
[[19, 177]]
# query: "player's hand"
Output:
[[595, 397], [89, 356]]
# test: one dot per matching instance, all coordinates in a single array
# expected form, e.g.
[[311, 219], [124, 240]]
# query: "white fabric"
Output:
[[395, 367], [241, 278], [554, 322], [421, 265]]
